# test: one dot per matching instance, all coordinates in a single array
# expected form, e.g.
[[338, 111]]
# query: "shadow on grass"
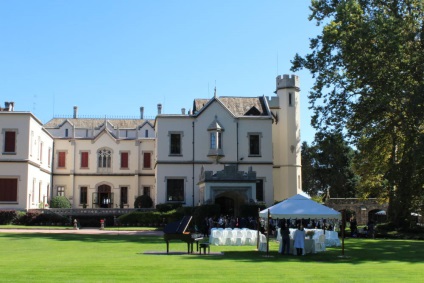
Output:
[[356, 250]]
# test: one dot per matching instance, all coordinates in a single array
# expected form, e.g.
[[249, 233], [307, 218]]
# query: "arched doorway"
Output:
[[105, 197], [230, 203], [226, 204]]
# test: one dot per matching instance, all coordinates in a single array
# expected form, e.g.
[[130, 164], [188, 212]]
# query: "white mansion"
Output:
[[226, 150]]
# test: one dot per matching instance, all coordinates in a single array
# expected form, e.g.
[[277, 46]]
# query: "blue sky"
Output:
[[112, 57]]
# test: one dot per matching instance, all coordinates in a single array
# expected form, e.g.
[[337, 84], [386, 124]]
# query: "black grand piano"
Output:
[[178, 231]]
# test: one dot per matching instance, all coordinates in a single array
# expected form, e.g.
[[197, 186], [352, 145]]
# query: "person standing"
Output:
[[299, 239], [285, 236], [353, 227]]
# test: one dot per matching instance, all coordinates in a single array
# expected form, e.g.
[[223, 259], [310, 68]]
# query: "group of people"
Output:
[[225, 221], [368, 231], [298, 239]]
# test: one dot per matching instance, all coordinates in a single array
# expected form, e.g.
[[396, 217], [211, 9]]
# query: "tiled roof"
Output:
[[88, 123], [239, 106]]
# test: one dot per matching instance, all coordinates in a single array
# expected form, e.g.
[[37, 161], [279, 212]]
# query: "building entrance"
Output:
[[226, 204], [105, 197]]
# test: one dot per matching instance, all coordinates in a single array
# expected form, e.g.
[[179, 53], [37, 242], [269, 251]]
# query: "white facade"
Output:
[[103, 163], [227, 150], [25, 168]]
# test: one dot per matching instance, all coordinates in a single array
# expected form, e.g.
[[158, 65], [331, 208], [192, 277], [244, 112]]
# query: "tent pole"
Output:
[[343, 229], [267, 234]]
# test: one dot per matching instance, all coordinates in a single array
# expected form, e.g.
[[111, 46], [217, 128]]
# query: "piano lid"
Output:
[[178, 227]]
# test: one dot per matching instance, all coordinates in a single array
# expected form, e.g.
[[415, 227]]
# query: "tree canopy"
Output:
[[327, 167], [368, 65]]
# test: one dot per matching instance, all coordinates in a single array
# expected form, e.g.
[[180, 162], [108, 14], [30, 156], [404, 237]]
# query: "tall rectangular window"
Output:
[[147, 160], [146, 191], [8, 190], [10, 142], [290, 99], [124, 160], [104, 156], [41, 152], [49, 156], [259, 190], [175, 190], [254, 145], [146, 133], [124, 195], [61, 191], [61, 160], [175, 143], [84, 159], [83, 195], [215, 140]]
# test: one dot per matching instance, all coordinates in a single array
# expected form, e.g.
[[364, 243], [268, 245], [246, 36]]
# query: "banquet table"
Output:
[[309, 247]]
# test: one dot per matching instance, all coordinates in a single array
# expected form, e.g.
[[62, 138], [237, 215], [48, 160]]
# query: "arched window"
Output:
[[104, 157]]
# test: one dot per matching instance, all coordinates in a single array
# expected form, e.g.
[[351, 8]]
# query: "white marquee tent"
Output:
[[299, 206]]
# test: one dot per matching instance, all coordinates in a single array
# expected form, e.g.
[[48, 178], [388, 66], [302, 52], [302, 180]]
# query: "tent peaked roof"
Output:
[[299, 206]]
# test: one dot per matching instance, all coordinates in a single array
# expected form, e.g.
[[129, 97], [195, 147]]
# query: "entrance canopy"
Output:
[[299, 206]]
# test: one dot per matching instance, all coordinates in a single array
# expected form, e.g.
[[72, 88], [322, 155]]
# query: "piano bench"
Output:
[[204, 246]]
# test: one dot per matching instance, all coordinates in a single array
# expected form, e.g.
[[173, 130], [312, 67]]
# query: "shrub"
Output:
[[143, 201], [49, 219], [60, 202], [7, 216], [139, 218], [28, 218]]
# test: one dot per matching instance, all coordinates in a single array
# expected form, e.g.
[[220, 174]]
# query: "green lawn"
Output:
[[37, 257]]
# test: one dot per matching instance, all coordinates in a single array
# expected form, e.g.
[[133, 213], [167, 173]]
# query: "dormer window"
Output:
[[216, 140], [216, 132]]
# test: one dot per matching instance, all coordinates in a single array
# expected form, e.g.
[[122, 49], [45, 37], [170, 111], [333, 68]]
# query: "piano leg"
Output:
[[167, 247]]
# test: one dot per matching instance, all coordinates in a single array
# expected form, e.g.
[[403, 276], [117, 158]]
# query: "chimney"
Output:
[[141, 112], [75, 112], [183, 111], [8, 106], [159, 109]]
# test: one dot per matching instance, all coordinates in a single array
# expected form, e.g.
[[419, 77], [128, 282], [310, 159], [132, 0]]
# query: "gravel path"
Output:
[[90, 231]]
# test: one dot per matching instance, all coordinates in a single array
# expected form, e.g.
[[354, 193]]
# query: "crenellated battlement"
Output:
[[287, 81]]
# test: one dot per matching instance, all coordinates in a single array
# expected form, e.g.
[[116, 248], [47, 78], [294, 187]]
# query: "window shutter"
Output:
[[62, 159], [147, 160], [84, 159], [124, 159]]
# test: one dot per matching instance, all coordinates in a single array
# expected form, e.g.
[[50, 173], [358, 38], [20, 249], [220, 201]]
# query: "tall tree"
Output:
[[310, 183], [369, 69], [327, 167]]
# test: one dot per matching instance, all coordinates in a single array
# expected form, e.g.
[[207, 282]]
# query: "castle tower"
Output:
[[286, 137]]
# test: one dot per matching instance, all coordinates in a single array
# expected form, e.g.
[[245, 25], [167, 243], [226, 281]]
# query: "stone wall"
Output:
[[363, 209]]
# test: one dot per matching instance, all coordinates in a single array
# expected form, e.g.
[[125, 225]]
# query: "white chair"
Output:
[[239, 238], [262, 243], [228, 239], [279, 234], [249, 239], [320, 244], [218, 238]]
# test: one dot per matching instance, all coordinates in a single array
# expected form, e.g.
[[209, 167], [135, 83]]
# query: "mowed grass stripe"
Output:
[[121, 258]]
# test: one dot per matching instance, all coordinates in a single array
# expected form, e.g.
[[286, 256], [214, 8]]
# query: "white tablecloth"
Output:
[[309, 246]]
